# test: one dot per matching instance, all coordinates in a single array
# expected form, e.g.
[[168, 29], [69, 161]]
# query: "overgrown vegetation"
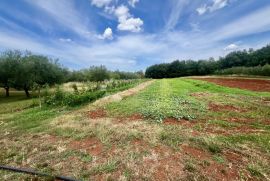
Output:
[[91, 92], [27, 71]]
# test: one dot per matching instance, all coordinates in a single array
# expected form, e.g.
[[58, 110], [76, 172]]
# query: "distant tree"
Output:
[[9, 67], [98, 73]]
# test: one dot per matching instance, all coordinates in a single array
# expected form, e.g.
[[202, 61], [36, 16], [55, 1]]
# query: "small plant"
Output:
[[219, 159], [170, 138], [75, 88], [214, 148], [254, 170], [108, 167], [189, 166]]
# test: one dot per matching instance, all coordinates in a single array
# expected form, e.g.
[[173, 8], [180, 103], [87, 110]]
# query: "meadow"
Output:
[[167, 129]]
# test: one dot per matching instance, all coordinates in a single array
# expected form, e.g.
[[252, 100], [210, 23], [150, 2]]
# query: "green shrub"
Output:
[[61, 98]]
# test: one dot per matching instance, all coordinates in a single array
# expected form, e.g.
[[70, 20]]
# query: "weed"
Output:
[[171, 138], [218, 159], [254, 170], [214, 148], [108, 167]]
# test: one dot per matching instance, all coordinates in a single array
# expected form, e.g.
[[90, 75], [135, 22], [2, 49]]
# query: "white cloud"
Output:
[[252, 23], [217, 4], [231, 47], [109, 9], [126, 21], [64, 13], [65, 40], [177, 7], [134, 51], [108, 34], [131, 24], [133, 2], [101, 3], [122, 12], [201, 10]]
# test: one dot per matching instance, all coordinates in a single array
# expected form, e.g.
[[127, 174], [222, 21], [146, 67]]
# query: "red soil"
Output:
[[216, 107], [133, 117], [195, 152], [220, 172], [91, 145], [248, 84], [183, 122], [100, 113]]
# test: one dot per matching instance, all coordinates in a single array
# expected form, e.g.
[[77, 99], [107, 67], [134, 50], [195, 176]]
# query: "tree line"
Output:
[[26, 71], [244, 58]]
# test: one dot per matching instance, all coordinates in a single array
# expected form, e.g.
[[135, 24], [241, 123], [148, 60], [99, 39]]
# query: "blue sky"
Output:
[[133, 34]]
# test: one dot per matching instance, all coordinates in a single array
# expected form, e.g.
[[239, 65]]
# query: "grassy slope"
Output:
[[41, 138]]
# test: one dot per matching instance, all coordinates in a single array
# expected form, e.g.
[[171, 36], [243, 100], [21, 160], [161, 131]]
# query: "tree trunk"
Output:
[[26, 91], [7, 91]]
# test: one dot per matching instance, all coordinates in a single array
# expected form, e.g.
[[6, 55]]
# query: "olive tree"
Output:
[[9, 67]]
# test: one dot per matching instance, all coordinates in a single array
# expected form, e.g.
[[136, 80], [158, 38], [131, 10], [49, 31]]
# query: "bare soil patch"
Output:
[[126, 119], [243, 129], [195, 152], [248, 84], [95, 114], [91, 145], [182, 122], [219, 171], [218, 107]]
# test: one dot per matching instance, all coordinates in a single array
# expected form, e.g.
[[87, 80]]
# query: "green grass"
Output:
[[171, 98], [29, 133], [108, 167]]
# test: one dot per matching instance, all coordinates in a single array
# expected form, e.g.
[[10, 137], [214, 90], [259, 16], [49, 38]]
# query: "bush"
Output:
[[61, 98], [78, 99]]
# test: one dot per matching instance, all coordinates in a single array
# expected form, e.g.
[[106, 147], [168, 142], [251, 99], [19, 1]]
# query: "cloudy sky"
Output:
[[132, 34]]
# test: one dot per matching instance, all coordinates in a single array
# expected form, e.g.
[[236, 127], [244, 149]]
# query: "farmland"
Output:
[[167, 129]]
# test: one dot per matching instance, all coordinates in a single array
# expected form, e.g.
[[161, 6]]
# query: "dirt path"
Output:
[[248, 84], [120, 95]]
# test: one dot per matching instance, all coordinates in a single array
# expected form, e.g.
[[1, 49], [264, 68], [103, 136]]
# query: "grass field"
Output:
[[174, 129]]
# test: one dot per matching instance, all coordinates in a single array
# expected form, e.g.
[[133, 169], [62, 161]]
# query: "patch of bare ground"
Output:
[[98, 113], [219, 171], [241, 120], [242, 129], [119, 96], [218, 107], [248, 84], [126, 119], [162, 163], [182, 122], [212, 170], [195, 152], [92, 145]]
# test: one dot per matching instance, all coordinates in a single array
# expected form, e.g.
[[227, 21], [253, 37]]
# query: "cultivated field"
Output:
[[168, 129]]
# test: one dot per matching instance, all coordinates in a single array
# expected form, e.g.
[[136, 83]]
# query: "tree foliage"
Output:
[[23, 70], [27, 71], [243, 58]]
